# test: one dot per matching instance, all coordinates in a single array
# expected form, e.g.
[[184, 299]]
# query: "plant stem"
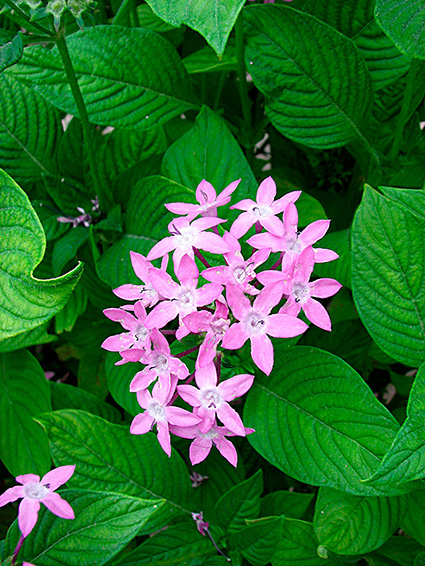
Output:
[[201, 257], [17, 549], [221, 81], [35, 25], [405, 107], [240, 54], [186, 352], [82, 111]]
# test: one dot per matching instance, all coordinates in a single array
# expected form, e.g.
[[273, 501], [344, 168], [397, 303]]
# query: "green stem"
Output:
[[123, 15], [220, 86], [240, 54], [82, 111], [135, 14], [35, 25], [405, 107]]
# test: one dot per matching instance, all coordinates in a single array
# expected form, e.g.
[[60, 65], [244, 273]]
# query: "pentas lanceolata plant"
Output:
[[238, 303]]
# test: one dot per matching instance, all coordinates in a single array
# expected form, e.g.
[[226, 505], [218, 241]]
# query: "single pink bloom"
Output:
[[145, 293], [293, 241], [212, 399], [160, 413], [138, 335], [237, 271], [207, 198], [161, 365], [204, 441], [281, 277], [256, 324], [186, 236], [215, 325], [35, 491], [180, 299], [263, 211], [302, 292]]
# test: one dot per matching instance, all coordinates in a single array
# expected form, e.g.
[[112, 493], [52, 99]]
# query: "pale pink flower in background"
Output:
[[212, 399], [145, 293], [302, 291], [214, 324], [138, 335], [263, 211], [293, 241], [237, 271], [180, 299], [160, 413], [207, 198], [256, 324], [186, 236], [35, 491]]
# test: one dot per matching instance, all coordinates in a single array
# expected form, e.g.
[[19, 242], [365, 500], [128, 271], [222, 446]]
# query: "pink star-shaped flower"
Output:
[[263, 211], [35, 491], [256, 324], [145, 293]]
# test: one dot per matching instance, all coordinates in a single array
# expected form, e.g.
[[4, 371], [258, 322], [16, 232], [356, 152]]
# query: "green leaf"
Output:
[[130, 95], [350, 524], [32, 337], [206, 61], [11, 48], [119, 379], [398, 551], [257, 542], [240, 503], [214, 19], [209, 151], [299, 545], [25, 302], [66, 396], [327, 77], [413, 521], [27, 152], [24, 393], [67, 317], [104, 524], [405, 460], [403, 22], [388, 262], [341, 268], [354, 18], [178, 544], [66, 247], [317, 420], [97, 447], [288, 503]]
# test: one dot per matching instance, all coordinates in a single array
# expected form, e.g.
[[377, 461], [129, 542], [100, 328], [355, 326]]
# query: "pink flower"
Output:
[[293, 241], [263, 211], [256, 323], [181, 299], [33, 491], [145, 293], [237, 271], [302, 292], [186, 236], [138, 336], [207, 198], [212, 399], [160, 413]]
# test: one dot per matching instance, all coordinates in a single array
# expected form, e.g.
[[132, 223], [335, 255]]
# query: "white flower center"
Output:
[[141, 333], [211, 399], [186, 236], [211, 434], [220, 326], [300, 292], [160, 362], [35, 490], [255, 323], [186, 298], [157, 411], [261, 211], [293, 245]]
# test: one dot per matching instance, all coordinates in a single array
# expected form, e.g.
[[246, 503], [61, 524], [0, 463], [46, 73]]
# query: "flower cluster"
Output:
[[236, 304]]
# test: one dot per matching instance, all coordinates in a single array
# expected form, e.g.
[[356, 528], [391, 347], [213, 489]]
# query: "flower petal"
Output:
[[322, 255], [285, 326], [57, 477], [227, 450], [11, 495], [317, 314], [314, 232], [142, 423], [58, 506], [26, 478], [262, 353], [189, 394], [235, 386], [28, 515], [180, 417], [230, 418], [199, 450], [242, 224], [164, 437], [238, 302], [324, 288], [266, 192], [235, 337]]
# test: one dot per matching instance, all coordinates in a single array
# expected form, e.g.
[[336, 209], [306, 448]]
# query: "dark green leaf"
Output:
[[32, 337], [104, 523], [341, 268], [257, 542], [206, 61], [11, 48], [66, 248], [24, 393], [398, 551], [388, 287], [119, 379], [288, 503], [318, 89], [67, 317], [317, 420], [413, 521]]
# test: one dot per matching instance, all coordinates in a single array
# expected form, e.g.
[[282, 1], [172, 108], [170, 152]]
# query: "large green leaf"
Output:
[[240, 503], [24, 393], [104, 523], [119, 379], [354, 18], [25, 302], [179, 544], [30, 131], [33, 337], [214, 19], [11, 48], [317, 86], [258, 541], [288, 503], [397, 551], [351, 524], [404, 23], [388, 261], [209, 151], [317, 420], [97, 448], [117, 70]]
